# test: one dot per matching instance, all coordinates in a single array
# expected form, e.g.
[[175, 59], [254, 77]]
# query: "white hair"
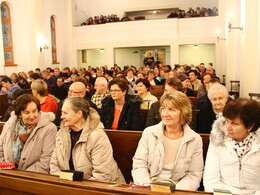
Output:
[[101, 80], [216, 88]]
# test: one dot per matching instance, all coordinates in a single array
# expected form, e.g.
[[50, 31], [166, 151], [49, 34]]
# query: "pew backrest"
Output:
[[157, 90], [125, 143], [1, 127], [3, 103]]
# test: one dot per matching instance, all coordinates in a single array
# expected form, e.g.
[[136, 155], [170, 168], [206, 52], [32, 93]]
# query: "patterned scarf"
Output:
[[243, 147], [22, 132]]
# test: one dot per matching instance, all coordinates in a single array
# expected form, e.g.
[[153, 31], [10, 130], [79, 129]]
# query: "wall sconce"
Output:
[[231, 28], [230, 16], [218, 32], [44, 46]]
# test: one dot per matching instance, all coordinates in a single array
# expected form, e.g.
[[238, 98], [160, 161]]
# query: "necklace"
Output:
[[119, 108], [173, 135]]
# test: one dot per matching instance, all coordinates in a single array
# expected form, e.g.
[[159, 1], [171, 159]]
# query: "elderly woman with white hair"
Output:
[[218, 96], [82, 144]]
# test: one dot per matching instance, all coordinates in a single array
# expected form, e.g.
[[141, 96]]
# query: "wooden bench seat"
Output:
[[125, 143], [3, 103], [26, 182]]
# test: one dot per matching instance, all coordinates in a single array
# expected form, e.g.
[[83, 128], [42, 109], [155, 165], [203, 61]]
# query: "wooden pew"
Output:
[[193, 101], [50, 87], [205, 141], [1, 127], [3, 103], [26, 182], [157, 90], [124, 145]]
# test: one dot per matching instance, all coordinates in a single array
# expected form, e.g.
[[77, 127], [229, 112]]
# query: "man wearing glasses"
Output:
[[76, 89]]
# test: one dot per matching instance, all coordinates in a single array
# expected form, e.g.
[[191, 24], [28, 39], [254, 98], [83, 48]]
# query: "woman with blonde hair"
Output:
[[40, 90], [170, 149]]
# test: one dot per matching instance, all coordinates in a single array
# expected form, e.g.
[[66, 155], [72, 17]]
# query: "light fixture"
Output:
[[230, 16], [218, 32], [44, 45], [102, 51], [195, 46], [154, 11], [231, 28]]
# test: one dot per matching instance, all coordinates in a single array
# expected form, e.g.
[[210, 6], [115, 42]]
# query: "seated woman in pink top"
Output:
[[40, 90]]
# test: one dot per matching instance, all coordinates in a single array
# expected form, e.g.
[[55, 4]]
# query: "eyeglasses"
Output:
[[71, 91], [114, 90]]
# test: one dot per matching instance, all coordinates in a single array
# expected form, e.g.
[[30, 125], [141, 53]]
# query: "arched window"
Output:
[[53, 41], [7, 35]]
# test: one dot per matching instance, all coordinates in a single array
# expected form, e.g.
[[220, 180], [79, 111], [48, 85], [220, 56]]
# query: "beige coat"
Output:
[[149, 158], [38, 148], [92, 154]]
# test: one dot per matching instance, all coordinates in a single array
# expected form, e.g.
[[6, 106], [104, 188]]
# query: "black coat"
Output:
[[60, 92], [153, 116], [206, 115], [130, 117]]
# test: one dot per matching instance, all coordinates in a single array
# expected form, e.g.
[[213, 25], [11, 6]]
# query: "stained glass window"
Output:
[[53, 40], [7, 34], [4, 11]]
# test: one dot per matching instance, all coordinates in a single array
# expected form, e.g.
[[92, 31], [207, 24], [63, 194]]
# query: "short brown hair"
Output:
[[22, 101], [181, 102], [174, 82], [121, 82], [246, 109]]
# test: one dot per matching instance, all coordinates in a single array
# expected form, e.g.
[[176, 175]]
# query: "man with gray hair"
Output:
[[101, 91], [76, 89]]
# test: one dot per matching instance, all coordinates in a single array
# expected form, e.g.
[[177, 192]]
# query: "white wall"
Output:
[[126, 57], [95, 58], [172, 32], [90, 8], [31, 21], [203, 54]]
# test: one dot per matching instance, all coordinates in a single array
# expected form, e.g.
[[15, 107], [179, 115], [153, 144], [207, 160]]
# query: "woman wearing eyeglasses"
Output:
[[120, 110]]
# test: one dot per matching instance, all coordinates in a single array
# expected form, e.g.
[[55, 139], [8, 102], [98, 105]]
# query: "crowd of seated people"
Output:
[[198, 12], [101, 98], [54, 85], [105, 19]]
